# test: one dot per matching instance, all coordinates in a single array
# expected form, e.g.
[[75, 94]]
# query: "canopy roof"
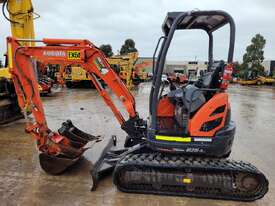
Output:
[[206, 20]]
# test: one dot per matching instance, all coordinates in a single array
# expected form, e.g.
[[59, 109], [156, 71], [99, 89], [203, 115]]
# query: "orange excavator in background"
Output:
[[139, 74], [181, 150], [177, 78]]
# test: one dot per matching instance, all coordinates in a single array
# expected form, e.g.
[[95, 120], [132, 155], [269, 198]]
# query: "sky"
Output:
[[111, 22]]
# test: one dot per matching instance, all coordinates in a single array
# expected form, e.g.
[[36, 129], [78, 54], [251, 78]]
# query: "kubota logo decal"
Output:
[[54, 53], [73, 55]]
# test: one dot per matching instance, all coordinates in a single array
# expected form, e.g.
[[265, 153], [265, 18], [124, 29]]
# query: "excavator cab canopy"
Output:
[[209, 21], [193, 20]]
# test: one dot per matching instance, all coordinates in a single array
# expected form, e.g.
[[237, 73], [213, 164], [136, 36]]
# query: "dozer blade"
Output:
[[156, 173], [79, 141]]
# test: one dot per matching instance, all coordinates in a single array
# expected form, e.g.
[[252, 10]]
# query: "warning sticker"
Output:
[[100, 66]]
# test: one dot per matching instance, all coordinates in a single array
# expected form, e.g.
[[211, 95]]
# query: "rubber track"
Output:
[[157, 162]]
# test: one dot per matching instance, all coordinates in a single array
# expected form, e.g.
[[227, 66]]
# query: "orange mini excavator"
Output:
[[181, 150]]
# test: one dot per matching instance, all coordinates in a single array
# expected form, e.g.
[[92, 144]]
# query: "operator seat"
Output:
[[211, 79], [190, 98]]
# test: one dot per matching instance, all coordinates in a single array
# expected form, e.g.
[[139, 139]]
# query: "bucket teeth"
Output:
[[69, 154], [78, 137]]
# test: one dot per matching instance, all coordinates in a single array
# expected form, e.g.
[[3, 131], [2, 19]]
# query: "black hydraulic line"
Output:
[[5, 5]]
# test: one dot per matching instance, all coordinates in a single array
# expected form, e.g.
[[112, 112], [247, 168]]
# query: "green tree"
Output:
[[1, 64], [107, 50], [128, 46], [253, 57], [237, 69]]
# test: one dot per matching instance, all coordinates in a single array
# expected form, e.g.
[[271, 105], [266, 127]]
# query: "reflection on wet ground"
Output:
[[24, 183]]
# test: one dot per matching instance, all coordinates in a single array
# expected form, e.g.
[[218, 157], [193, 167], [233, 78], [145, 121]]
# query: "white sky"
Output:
[[110, 21]]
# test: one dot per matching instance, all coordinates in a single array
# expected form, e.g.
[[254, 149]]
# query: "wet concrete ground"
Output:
[[22, 182]]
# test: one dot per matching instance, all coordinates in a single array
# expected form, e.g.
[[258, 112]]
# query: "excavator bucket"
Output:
[[55, 165], [76, 135]]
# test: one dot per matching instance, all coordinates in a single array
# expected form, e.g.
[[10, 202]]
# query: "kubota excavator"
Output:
[[181, 150]]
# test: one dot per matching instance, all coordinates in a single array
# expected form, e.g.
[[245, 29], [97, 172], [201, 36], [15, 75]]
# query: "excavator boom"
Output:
[[65, 52]]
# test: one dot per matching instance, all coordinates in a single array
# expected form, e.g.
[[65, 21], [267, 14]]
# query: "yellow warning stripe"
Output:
[[10, 57], [173, 139], [187, 180]]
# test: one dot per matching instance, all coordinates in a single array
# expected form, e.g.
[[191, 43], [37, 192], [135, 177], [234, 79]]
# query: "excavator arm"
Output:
[[66, 52]]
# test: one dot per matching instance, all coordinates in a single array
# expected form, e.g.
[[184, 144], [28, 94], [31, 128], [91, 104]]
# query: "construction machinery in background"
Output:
[[259, 80], [9, 109], [75, 76], [124, 65], [181, 150], [178, 78], [140, 73], [20, 15]]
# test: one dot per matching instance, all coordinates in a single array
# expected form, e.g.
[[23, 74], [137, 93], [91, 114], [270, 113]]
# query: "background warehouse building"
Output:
[[269, 67], [194, 67], [184, 67]]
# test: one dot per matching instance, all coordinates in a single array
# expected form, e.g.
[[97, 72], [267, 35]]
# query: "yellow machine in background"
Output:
[[20, 15], [124, 65], [260, 80], [4, 73], [75, 75]]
